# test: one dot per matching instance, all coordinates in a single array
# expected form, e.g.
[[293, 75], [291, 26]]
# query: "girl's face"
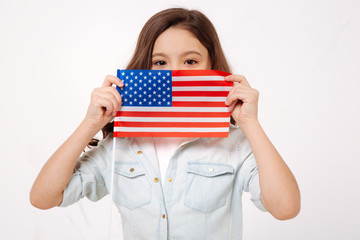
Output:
[[179, 49]]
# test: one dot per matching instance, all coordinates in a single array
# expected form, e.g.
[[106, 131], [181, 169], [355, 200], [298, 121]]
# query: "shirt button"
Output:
[[156, 179], [139, 152], [211, 169], [132, 170], [170, 179], [164, 216]]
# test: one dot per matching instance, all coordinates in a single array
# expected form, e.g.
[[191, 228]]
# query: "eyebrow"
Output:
[[183, 54]]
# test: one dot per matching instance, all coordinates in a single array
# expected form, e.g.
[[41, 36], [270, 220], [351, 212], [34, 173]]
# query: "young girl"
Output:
[[173, 188]]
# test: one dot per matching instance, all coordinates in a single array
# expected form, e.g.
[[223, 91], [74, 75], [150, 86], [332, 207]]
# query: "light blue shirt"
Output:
[[201, 197]]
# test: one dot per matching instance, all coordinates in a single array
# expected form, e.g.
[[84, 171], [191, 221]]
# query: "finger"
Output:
[[118, 99], [105, 104], [245, 95], [107, 93], [237, 78], [113, 96], [236, 93], [232, 106], [110, 80]]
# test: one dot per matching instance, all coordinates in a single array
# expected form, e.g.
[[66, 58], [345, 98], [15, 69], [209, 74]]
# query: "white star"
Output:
[[159, 73], [168, 89], [135, 100], [140, 103], [145, 84], [164, 84], [140, 81], [125, 99], [154, 84], [127, 77], [168, 74], [159, 96], [150, 73], [159, 103], [136, 77], [132, 73], [168, 95], [149, 95], [154, 99], [159, 88], [168, 103], [168, 81], [140, 88], [145, 77], [131, 80], [154, 77], [149, 103], [130, 88], [135, 84], [126, 84], [164, 99], [123, 73], [140, 95], [131, 103], [141, 73], [164, 77], [126, 92], [135, 92], [130, 95], [154, 92]]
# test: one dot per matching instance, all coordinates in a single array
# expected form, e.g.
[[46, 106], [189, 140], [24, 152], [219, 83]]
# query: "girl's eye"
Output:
[[159, 63], [190, 61]]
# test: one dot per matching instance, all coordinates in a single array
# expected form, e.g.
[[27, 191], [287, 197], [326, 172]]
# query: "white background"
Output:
[[303, 57]]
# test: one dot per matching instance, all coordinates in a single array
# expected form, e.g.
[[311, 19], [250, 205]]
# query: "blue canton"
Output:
[[145, 88]]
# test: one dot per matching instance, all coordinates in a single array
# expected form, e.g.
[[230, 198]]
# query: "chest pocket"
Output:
[[131, 188], [208, 185]]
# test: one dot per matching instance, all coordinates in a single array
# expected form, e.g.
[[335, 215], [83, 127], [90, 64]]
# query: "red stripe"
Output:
[[173, 124], [198, 104], [200, 83], [179, 73], [172, 114], [200, 93], [170, 134]]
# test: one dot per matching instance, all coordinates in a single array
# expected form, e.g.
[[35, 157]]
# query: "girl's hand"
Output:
[[242, 100], [105, 102]]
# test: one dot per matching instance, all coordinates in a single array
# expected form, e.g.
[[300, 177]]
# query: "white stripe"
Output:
[[138, 129], [198, 78], [199, 99], [174, 109], [164, 119], [201, 89]]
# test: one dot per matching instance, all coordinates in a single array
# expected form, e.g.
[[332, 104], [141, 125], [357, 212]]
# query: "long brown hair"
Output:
[[190, 20]]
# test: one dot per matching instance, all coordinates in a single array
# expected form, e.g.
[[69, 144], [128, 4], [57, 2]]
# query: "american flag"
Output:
[[178, 103]]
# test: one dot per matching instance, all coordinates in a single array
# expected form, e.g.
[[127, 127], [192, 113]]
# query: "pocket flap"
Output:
[[209, 169], [128, 169]]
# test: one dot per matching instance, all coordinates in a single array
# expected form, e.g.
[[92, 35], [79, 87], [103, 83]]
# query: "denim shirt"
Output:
[[201, 197]]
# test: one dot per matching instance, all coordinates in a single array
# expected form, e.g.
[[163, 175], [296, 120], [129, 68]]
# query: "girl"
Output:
[[173, 188]]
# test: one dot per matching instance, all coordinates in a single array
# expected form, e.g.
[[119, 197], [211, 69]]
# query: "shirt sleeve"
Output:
[[88, 177], [250, 174]]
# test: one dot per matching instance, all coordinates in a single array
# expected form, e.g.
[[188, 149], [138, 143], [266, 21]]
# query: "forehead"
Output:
[[176, 39]]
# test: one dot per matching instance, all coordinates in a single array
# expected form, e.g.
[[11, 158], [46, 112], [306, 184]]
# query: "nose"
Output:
[[175, 66]]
